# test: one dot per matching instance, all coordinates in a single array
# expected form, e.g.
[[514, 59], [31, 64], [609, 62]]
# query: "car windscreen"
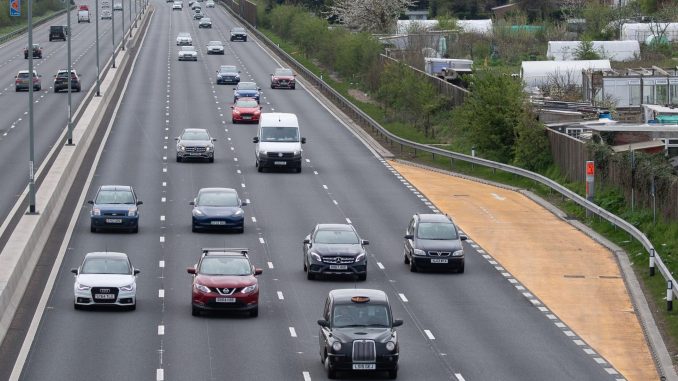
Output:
[[195, 135], [360, 315], [246, 103], [114, 197], [436, 230], [105, 266], [247, 86], [284, 72], [215, 43], [205, 19], [227, 69], [225, 266], [280, 134], [228, 199], [336, 237], [238, 30], [64, 74], [187, 49]]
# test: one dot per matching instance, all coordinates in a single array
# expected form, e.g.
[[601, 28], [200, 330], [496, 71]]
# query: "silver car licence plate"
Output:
[[104, 296], [218, 222], [338, 267], [280, 163], [364, 366], [435, 260], [114, 220], [225, 300]]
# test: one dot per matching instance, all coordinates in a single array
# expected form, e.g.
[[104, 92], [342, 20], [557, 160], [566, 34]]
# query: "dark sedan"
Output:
[[37, 51], [335, 249], [228, 74], [115, 207], [246, 90], [433, 242], [218, 208]]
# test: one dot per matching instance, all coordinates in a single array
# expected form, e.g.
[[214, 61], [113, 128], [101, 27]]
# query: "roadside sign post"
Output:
[[590, 177], [669, 296], [15, 8]]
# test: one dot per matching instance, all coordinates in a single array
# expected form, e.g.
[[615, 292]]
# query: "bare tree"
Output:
[[374, 16], [660, 22], [572, 8]]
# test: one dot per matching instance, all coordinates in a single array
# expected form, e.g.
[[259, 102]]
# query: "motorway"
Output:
[[471, 326], [51, 109]]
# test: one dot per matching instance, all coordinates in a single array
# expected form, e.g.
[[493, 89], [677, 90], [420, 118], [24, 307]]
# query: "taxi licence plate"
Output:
[[364, 366], [280, 163], [104, 296], [434, 260], [225, 300], [114, 220], [338, 267]]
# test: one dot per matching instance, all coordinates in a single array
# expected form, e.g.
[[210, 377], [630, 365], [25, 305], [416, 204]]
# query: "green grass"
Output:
[[663, 235], [7, 29]]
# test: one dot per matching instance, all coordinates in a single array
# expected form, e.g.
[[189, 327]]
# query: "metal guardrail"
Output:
[[22, 30], [366, 121]]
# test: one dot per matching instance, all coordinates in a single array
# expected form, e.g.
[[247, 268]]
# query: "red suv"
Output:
[[283, 78], [225, 280]]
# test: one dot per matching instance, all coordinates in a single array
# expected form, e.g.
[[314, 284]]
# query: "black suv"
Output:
[[335, 249], [61, 81], [356, 333], [239, 34], [432, 241], [37, 51], [58, 32]]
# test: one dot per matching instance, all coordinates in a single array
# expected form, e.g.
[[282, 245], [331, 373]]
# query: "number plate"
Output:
[[104, 296], [434, 260], [280, 162], [364, 366], [246, 117], [218, 222], [114, 220], [225, 300], [338, 267]]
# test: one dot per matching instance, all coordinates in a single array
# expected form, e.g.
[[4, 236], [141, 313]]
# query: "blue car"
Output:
[[246, 90], [115, 207], [218, 208]]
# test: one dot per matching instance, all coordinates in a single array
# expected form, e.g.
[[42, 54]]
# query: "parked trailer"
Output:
[[448, 69]]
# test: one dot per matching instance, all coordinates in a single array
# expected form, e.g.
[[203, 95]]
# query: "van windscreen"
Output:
[[280, 134]]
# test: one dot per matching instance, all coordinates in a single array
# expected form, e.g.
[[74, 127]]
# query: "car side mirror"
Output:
[[232, 107], [177, 138], [255, 139], [397, 323], [191, 203], [307, 241], [190, 270], [243, 203], [323, 323], [214, 139], [90, 202], [140, 202], [271, 74], [409, 236], [136, 271], [303, 140], [261, 108], [463, 237], [74, 271], [364, 242], [258, 271]]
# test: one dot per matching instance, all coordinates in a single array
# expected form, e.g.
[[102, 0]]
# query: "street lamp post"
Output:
[[122, 6], [69, 134], [96, 23], [31, 149], [113, 34]]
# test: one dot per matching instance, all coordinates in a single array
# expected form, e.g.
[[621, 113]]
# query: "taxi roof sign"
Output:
[[360, 299]]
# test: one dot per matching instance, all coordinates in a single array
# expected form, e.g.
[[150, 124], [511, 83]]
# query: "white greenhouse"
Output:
[[540, 73], [641, 31], [628, 50], [468, 26]]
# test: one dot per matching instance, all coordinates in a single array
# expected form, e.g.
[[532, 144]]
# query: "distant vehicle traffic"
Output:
[[187, 53], [58, 32], [238, 34], [224, 279], [432, 241], [218, 208], [105, 279], [215, 47], [83, 16], [278, 142], [245, 110], [195, 143], [22, 79], [209, 4], [357, 333], [335, 249], [228, 74], [115, 207], [205, 22], [37, 51], [198, 15], [177, 5], [283, 78], [105, 10], [184, 38], [61, 81]]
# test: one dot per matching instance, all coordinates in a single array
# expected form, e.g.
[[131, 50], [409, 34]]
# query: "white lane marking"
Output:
[[307, 376], [238, 172], [254, 219], [579, 342], [164, 183], [527, 295], [308, 161], [611, 371], [324, 186], [247, 200], [459, 377], [348, 221], [235, 159], [380, 265], [242, 185], [498, 197], [569, 333], [161, 293], [589, 351], [520, 288], [261, 240], [403, 298], [280, 295], [492, 262], [599, 360], [511, 280], [161, 264], [535, 302], [429, 334], [162, 239], [163, 199], [551, 316], [161, 330], [506, 274], [270, 265], [162, 218], [293, 333], [159, 374], [481, 251], [499, 268], [315, 172], [543, 309], [335, 202], [560, 325]]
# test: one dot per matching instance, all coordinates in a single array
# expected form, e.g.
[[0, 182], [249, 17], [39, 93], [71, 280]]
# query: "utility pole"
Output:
[[69, 134], [31, 134]]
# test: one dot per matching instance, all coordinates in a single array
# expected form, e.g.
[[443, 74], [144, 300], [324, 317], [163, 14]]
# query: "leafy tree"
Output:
[[586, 51], [532, 148]]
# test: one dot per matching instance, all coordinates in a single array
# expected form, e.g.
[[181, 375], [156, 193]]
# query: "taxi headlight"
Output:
[[316, 257], [390, 346], [360, 257], [181, 147], [336, 346], [208, 148], [132, 212], [198, 212], [238, 212]]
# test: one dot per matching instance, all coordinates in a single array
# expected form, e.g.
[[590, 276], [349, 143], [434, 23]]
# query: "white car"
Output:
[[105, 279], [177, 5], [215, 47], [184, 38], [209, 4], [188, 53]]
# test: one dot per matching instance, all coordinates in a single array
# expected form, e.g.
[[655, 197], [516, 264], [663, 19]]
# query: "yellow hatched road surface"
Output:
[[574, 276]]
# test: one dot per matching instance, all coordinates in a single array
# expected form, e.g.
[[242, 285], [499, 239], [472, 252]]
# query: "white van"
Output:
[[278, 142], [83, 16]]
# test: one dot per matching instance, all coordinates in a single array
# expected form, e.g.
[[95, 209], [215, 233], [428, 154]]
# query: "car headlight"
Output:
[[129, 287], [202, 288], [248, 289], [263, 153], [237, 76], [458, 253], [198, 212], [208, 148], [132, 212], [316, 257], [238, 212], [336, 346], [360, 257], [296, 152], [390, 346], [181, 148], [82, 287], [419, 252], [96, 212], [236, 111]]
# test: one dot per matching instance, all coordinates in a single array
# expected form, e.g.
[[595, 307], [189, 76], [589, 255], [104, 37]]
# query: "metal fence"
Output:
[[22, 30], [361, 118]]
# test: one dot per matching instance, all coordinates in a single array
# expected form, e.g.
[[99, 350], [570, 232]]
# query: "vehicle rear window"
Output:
[[217, 199], [115, 197], [24, 75], [195, 135], [336, 237], [225, 266], [437, 230], [105, 266], [360, 315], [280, 134]]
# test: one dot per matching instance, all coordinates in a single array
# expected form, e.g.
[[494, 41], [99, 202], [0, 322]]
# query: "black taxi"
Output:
[[357, 333]]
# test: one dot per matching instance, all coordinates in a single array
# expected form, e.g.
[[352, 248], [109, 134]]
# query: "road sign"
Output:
[[15, 8]]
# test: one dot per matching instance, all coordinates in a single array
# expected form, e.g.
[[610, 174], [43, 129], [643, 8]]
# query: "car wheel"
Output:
[[254, 312], [245, 39], [76, 306], [293, 86], [241, 230], [309, 275], [92, 229], [305, 267], [211, 159], [299, 169], [179, 159], [362, 277], [460, 270], [260, 168], [234, 121], [413, 267], [195, 311], [194, 228], [393, 374], [331, 373], [273, 87], [135, 230], [406, 260], [39, 88], [55, 90]]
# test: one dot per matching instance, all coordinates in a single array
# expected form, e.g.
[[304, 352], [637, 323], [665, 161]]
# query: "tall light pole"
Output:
[[31, 149], [122, 9], [113, 32], [130, 17], [69, 134], [96, 23]]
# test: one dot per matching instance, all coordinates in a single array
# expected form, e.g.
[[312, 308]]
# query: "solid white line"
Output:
[[159, 374], [254, 219], [307, 376], [261, 240], [403, 298], [280, 295], [162, 199], [161, 293], [325, 186], [335, 202], [293, 333], [270, 265], [429, 334], [162, 218], [380, 265], [162, 239], [459, 377], [161, 330], [161, 264]]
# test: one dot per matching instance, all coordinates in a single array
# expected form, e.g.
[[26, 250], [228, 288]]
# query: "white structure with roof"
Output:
[[539, 73], [613, 50], [476, 26], [468, 26], [641, 31]]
